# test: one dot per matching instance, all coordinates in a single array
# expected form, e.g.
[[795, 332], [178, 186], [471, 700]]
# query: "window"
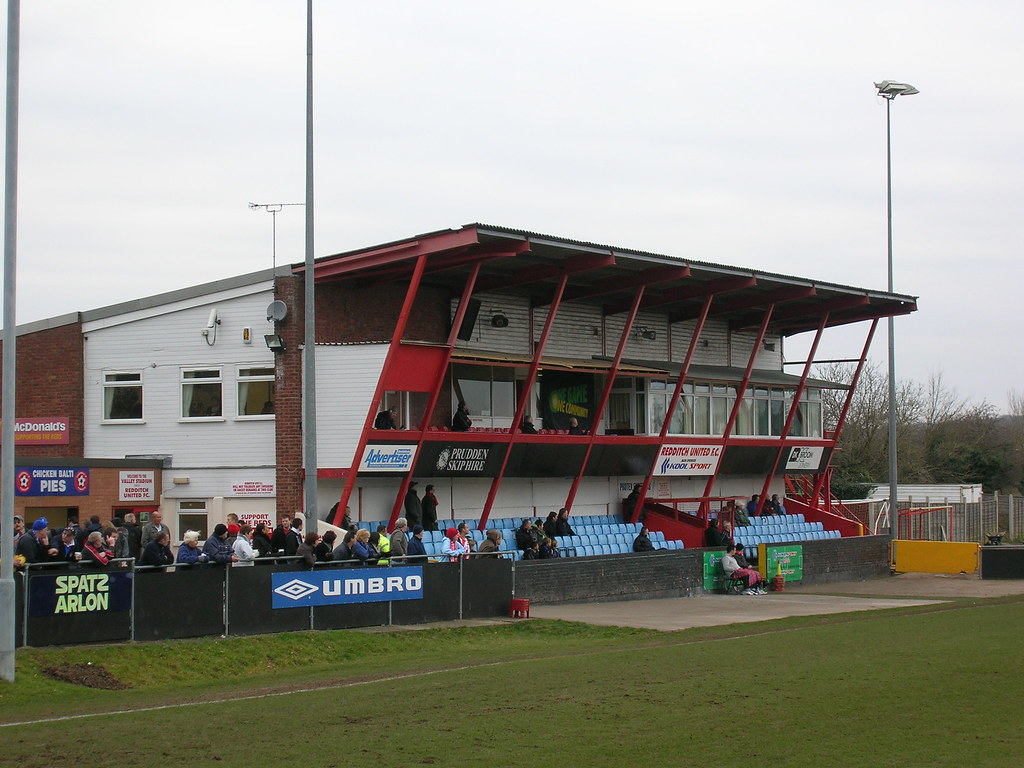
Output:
[[256, 392], [192, 517], [488, 391], [201, 394], [122, 397]]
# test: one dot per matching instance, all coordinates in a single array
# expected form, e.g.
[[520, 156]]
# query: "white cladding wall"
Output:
[[580, 331], [346, 378], [158, 343], [463, 499]]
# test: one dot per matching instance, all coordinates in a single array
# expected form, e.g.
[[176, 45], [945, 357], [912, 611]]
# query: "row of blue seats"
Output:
[[751, 541], [783, 528]]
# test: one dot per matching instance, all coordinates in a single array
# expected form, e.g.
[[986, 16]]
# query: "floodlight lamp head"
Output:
[[890, 89]]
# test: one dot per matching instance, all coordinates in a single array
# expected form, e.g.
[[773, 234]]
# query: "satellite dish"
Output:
[[277, 311]]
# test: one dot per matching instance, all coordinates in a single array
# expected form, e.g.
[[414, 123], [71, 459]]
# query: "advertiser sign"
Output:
[[51, 481], [388, 458], [460, 459], [136, 485], [53, 430], [788, 559], [804, 458], [302, 589], [77, 593], [688, 460]]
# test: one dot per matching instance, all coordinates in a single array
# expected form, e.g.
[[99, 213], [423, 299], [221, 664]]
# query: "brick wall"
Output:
[[680, 573], [288, 396], [349, 311], [51, 382]]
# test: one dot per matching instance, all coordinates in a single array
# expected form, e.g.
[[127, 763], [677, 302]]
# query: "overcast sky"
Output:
[[743, 133]]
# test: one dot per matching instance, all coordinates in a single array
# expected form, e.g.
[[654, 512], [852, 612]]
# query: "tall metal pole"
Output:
[[7, 639], [889, 90], [893, 469], [309, 460]]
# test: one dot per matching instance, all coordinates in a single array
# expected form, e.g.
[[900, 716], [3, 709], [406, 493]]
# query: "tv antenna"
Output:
[[273, 208]]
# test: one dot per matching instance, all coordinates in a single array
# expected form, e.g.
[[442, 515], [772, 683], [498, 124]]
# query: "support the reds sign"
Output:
[[51, 481]]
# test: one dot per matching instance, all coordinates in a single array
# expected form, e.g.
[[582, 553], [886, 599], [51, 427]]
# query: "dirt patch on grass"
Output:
[[89, 675]]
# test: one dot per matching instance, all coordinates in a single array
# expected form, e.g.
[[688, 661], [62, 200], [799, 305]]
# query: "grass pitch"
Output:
[[908, 687]]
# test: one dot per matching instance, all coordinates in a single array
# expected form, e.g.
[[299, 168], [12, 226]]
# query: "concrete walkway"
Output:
[[712, 610]]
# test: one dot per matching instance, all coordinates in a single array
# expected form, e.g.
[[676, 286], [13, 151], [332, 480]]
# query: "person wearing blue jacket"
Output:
[[217, 548]]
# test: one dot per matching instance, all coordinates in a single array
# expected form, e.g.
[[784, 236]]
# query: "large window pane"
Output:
[[702, 416], [719, 415], [503, 392], [201, 394], [122, 396], [255, 391], [761, 417], [745, 418]]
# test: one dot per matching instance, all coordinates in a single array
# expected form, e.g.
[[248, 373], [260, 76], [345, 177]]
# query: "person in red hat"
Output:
[[454, 547]]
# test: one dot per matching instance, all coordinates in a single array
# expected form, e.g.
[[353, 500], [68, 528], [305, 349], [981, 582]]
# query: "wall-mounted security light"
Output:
[[769, 346], [274, 342], [210, 331], [498, 320]]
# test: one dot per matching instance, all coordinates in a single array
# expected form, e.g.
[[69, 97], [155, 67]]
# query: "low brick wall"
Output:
[[680, 573]]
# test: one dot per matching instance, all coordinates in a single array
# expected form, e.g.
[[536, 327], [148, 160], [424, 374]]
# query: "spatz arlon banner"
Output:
[[688, 460], [387, 458], [336, 587]]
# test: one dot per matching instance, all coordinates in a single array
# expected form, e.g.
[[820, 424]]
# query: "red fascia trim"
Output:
[[344, 264]]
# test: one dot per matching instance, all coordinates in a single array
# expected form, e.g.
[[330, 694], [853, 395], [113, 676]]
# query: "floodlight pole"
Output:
[[889, 90], [309, 458], [10, 336]]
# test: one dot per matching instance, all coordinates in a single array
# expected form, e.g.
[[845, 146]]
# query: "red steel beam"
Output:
[[435, 394], [396, 338], [524, 398], [605, 393], [684, 371], [740, 391], [846, 404], [806, 312], [795, 407]]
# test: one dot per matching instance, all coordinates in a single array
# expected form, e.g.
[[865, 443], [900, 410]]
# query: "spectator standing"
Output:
[[461, 421], [94, 552], [466, 538], [630, 502], [361, 549], [383, 542], [305, 550], [67, 547], [35, 545], [325, 547], [454, 547], [343, 551], [93, 525], [134, 533], [216, 547], [189, 552], [386, 420], [158, 551], [122, 545], [413, 505], [152, 528], [233, 531], [417, 553], [400, 539], [754, 506], [286, 539], [429, 505], [242, 547], [261, 539], [19, 529]]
